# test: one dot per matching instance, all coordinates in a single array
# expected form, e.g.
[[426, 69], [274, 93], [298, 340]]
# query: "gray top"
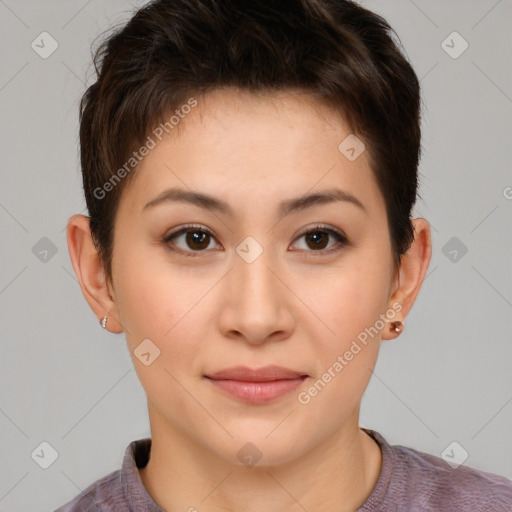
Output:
[[410, 481]]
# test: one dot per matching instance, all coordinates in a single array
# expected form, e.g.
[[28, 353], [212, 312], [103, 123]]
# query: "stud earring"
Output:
[[104, 322], [397, 326]]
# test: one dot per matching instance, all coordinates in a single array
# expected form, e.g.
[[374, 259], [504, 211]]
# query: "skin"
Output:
[[296, 305]]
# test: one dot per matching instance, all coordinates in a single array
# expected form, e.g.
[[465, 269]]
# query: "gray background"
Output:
[[67, 382]]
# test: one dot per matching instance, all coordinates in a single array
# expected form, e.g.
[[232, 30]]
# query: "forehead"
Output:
[[254, 149]]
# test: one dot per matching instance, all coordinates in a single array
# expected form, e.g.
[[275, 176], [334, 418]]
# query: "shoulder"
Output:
[[119, 490], [416, 481], [443, 487], [97, 497]]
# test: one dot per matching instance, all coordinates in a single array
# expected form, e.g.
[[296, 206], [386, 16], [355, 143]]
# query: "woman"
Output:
[[250, 169]]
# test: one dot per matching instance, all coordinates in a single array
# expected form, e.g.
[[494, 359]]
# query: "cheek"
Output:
[[346, 352], [349, 305], [143, 284], [157, 303], [165, 308]]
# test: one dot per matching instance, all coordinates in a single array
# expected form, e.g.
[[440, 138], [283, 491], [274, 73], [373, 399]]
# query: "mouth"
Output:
[[260, 385]]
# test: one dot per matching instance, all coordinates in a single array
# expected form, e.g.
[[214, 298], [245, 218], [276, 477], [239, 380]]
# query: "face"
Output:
[[262, 280]]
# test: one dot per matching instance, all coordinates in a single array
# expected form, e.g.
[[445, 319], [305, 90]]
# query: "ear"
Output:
[[90, 272], [413, 268]]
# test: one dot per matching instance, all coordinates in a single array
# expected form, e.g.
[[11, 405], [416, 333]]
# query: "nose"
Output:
[[257, 306]]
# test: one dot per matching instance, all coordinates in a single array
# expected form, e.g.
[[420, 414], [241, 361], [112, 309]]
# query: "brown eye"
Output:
[[317, 240], [197, 240], [192, 240]]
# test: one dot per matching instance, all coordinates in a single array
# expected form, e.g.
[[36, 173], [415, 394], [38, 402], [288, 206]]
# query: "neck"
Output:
[[338, 474]]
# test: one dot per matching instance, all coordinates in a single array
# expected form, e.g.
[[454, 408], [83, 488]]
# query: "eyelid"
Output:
[[189, 227], [321, 227]]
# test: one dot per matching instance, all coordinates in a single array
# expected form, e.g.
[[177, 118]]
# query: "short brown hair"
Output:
[[335, 50]]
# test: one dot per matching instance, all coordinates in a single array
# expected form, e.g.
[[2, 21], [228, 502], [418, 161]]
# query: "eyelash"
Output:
[[340, 238]]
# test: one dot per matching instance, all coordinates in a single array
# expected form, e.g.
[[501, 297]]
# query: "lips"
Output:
[[256, 385], [265, 374]]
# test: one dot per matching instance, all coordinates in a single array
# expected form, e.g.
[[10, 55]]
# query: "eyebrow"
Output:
[[286, 207]]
